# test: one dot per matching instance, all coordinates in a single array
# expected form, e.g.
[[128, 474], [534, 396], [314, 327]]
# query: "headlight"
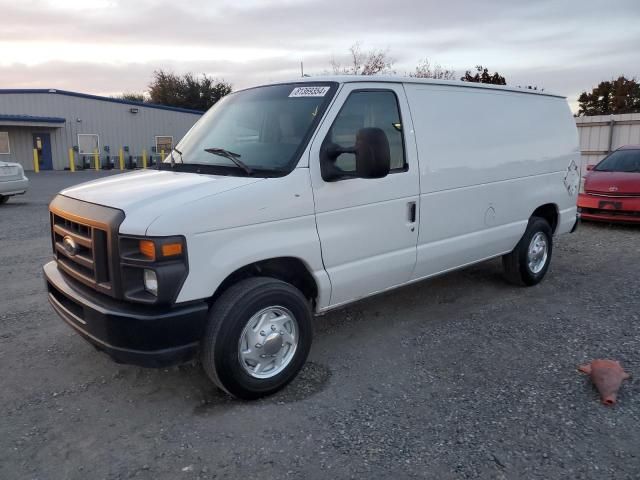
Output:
[[152, 269], [150, 282]]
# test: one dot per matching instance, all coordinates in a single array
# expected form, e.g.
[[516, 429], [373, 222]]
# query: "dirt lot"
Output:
[[463, 376]]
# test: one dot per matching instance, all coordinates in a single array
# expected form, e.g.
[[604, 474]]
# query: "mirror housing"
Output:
[[373, 156]]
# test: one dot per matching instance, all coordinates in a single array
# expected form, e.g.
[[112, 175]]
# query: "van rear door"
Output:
[[368, 228]]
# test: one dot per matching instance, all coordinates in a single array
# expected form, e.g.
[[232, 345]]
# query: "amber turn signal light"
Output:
[[148, 249], [171, 249]]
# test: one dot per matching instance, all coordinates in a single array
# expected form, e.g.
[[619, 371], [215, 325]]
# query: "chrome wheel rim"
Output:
[[268, 342], [538, 252]]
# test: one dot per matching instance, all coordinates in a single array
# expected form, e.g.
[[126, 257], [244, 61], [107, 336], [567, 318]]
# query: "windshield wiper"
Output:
[[234, 157], [173, 162]]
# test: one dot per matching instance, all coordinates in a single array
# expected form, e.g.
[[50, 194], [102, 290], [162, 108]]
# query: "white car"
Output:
[[12, 181], [292, 199]]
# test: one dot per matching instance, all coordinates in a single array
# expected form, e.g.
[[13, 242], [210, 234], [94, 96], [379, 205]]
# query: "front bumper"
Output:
[[609, 209], [14, 187], [129, 333]]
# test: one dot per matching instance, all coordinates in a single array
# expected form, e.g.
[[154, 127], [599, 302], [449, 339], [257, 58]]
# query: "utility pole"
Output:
[[301, 69]]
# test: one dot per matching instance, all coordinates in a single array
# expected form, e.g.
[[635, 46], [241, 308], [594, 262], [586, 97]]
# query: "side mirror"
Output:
[[590, 167], [373, 156]]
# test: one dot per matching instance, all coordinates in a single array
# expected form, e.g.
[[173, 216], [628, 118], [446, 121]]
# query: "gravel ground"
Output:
[[462, 376]]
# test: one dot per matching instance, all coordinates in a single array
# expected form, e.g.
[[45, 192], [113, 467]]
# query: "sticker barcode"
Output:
[[309, 91]]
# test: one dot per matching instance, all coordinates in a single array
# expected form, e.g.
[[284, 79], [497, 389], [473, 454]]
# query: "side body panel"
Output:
[[488, 159], [270, 218], [368, 241]]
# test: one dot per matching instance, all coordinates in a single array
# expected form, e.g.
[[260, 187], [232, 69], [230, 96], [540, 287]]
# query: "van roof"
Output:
[[428, 81]]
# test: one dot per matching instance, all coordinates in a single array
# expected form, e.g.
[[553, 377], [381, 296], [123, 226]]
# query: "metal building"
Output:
[[54, 121], [601, 134]]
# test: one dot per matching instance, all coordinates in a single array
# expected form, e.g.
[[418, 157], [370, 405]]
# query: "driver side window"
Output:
[[363, 109]]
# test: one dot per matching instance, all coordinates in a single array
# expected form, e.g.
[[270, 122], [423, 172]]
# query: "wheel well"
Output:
[[288, 269], [550, 213]]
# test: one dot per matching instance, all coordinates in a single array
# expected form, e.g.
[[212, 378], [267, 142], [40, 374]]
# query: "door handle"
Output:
[[411, 212]]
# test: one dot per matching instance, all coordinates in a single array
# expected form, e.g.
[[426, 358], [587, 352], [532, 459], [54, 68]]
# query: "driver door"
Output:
[[368, 228]]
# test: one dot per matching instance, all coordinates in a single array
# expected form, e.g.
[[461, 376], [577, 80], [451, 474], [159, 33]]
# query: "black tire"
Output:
[[4, 199], [227, 319], [515, 264]]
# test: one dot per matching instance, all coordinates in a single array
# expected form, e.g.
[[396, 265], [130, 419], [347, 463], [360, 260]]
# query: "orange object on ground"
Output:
[[607, 376]]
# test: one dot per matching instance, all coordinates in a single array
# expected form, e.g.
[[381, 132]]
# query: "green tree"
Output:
[[611, 97], [482, 75], [132, 97], [186, 91]]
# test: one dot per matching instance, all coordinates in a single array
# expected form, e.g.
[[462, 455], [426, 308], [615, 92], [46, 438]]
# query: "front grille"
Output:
[[92, 257], [88, 263]]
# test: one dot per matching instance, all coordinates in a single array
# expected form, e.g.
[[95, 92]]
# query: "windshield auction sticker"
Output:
[[309, 92]]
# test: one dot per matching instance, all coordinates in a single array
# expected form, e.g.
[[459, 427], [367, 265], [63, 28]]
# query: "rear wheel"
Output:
[[528, 263], [4, 199], [258, 337]]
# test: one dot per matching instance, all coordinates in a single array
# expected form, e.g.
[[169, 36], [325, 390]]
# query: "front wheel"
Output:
[[258, 337], [528, 263], [4, 199]]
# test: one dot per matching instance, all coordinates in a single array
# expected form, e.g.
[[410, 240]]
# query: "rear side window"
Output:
[[363, 109]]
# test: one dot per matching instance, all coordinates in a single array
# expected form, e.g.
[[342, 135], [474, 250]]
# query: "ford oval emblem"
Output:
[[70, 246], [613, 189]]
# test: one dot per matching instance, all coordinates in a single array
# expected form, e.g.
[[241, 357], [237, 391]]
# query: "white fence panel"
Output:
[[601, 134]]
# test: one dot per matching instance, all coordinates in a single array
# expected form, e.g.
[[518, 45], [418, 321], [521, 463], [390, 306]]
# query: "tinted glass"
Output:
[[368, 109], [266, 126], [621, 161]]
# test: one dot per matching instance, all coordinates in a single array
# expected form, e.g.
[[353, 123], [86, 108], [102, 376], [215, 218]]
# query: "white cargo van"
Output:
[[291, 199]]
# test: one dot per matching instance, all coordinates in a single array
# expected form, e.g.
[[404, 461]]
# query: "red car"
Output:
[[611, 191]]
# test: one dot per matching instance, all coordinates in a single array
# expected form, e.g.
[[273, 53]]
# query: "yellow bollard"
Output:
[[161, 156], [144, 159], [96, 159], [72, 163], [36, 162], [121, 154]]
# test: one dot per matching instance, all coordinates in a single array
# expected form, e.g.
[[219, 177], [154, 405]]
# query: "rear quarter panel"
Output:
[[488, 159]]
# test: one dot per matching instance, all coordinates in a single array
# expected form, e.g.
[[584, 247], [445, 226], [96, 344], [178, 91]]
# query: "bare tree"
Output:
[[371, 62], [425, 70]]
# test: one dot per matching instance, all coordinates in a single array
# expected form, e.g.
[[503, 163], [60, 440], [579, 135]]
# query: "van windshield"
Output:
[[258, 132]]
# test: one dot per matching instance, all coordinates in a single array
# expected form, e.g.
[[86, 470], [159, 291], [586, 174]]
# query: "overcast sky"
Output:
[[112, 46]]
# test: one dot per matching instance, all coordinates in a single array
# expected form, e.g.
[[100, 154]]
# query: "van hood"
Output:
[[612, 183], [155, 190]]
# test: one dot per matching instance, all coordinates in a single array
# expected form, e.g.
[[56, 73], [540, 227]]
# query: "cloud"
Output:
[[103, 46]]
